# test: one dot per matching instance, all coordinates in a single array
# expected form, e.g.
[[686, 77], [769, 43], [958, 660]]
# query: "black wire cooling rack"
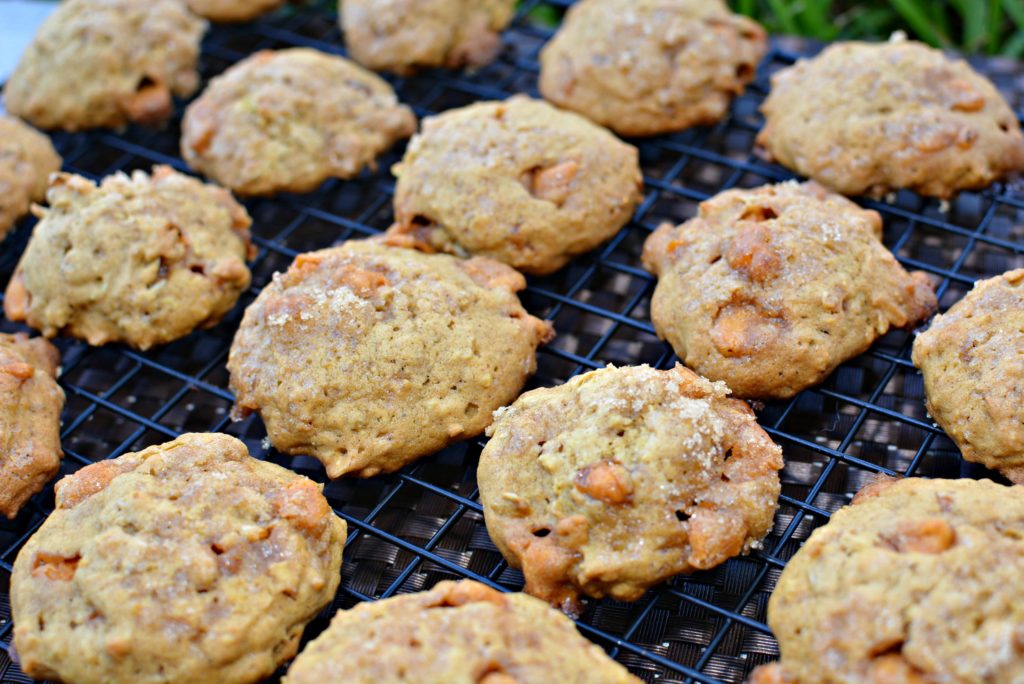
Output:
[[424, 524]]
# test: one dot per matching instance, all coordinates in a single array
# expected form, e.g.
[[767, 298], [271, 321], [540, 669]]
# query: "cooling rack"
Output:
[[414, 528]]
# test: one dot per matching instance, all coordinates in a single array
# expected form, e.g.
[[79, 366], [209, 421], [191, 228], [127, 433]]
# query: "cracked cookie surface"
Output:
[[518, 181], [30, 406], [457, 633], [771, 289], [918, 582], [106, 63], [622, 478], [403, 36], [972, 360], [141, 260], [287, 120], [189, 561], [644, 67], [27, 159], [368, 356], [863, 118]]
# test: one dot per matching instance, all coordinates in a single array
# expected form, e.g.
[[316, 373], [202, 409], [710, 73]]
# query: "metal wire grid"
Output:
[[413, 528]]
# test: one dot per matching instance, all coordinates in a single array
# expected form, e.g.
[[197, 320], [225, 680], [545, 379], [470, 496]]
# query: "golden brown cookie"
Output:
[[972, 359], [916, 582], [107, 63], [368, 356], [622, 478], [771, 289], [27, 159], [232, 10], [403, 36], [30, 406], [141, 260], [867, 119], [287, 120], [518, 181], [456, 633], [644, 67], [189, 561]]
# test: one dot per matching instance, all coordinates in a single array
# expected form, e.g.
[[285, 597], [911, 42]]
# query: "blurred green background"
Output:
[[994, 27]]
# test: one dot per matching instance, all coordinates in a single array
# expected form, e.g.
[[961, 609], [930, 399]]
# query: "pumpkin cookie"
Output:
[[189, 561], [644, 67], [27, 159], [518, 181], [457, 633], [917, 582], [368, 356], [403, 36], [287, 120], [771, 289], [972, 359], [106, 63], [232, 10], [141, 260], [622, 478], [30, 406], [867, 119]]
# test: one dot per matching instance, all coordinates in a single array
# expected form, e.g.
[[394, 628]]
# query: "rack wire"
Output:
[[424, 524]]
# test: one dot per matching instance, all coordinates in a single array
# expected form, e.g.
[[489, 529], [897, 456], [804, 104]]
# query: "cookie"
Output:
[[96, 63], [871, 118], [771, 289], [232, 10], [972, 359], [27, 159], [368, 356], [457, 633], [30, 406], [189, 561], [918, 581], [518, 181], [403, 36], [644, 67], [287, 120], [141, 260], [622, 478]]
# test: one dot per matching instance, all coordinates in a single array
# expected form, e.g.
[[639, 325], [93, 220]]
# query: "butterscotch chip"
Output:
[[972, 359], [186, 562], [27, 159], [368, 356], [30, 406], [917, 583], [644, 67], [622, 478], [106, 63], [287, 120], [864, 118], [518, 181], [232, 10], [141, 260], [456, 632], [771, 289], [404, 36]]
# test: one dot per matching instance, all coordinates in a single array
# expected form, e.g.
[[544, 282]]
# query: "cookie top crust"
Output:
[[141, 259], [916, 581], [287, 120], [622, 478], [871, 118], [645, 67], [770, 289], [368, 356], [232, 10], [518, 181], [107, 63], [187, 561], [27, 159]]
